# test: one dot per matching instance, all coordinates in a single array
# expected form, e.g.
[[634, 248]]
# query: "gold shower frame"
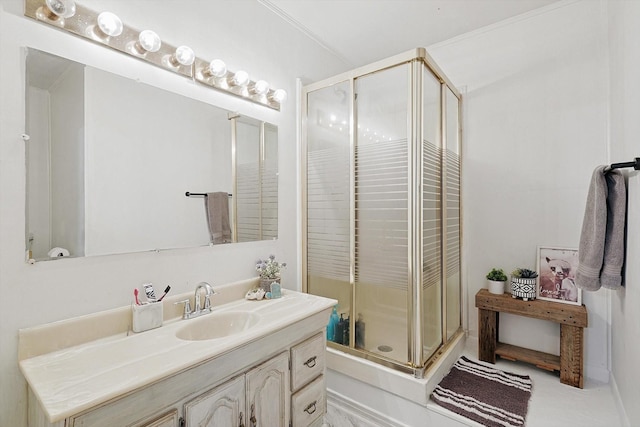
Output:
[[417, 58]]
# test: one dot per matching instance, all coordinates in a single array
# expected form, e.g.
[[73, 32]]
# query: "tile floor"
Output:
[[558, 405], [552, 404]]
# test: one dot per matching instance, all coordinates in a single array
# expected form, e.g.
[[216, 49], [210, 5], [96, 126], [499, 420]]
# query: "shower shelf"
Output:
[[572, 320]]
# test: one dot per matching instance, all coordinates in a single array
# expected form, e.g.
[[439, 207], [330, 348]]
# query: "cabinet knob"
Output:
[[311, 408], [311, 362], [241, 423]]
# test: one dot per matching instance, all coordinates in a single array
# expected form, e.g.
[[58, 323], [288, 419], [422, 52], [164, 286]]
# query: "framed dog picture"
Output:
[[557, 271]]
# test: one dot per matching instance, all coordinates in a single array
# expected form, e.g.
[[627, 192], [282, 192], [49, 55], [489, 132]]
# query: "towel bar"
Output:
[[635, 164], [188, 194]]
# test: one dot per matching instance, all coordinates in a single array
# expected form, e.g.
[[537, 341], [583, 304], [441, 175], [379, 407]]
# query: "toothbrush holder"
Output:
[[147, 316]]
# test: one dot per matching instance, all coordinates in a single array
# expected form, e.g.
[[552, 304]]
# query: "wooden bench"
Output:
[[572, 320]]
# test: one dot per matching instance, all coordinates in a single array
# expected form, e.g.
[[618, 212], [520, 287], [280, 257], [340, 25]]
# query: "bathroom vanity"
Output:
[[263, 366]]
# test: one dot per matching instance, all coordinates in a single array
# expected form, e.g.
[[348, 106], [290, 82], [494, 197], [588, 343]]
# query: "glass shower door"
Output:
[[431, 214], [452, 200], [382, 287], [328, 176]]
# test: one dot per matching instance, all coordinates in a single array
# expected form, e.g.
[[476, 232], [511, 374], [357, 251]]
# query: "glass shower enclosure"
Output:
[[381, 208]]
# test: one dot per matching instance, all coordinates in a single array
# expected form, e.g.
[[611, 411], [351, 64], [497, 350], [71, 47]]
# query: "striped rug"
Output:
[[484, 394]]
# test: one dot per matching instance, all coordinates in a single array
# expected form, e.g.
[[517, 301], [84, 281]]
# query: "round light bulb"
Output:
[[261, 87], [184, 55], [62, 8], [149, 41], [217, 68], [240, 78], [279, 95], [110, 24]]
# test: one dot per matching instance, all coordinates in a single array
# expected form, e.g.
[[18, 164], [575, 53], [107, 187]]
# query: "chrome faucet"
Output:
[[198, 310], [208, 291]]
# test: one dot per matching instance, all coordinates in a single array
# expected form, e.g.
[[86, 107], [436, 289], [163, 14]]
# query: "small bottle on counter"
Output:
[[276, 290]]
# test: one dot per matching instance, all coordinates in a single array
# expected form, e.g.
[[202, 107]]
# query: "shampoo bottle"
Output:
[[345, 332], [331, 327], [360, 332], [339, 331]]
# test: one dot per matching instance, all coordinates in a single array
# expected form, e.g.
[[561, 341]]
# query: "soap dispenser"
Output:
[[333, 322]]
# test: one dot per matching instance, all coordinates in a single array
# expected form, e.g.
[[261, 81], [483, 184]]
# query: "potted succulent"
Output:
[[496, 279], [523, 283]]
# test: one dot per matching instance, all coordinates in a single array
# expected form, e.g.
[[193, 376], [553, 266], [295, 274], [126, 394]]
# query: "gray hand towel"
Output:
[[601, 250], [614, 240], [217, 209]]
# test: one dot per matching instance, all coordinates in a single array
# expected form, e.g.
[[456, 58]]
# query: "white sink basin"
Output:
[[217, 325]]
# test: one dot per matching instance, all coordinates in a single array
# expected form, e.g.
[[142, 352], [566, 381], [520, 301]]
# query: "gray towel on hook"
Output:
[[217, 209], [601, 250]]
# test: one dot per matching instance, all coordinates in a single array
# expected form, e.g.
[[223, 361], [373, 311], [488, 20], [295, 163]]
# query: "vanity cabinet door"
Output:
[[268, 393], [222, 406]]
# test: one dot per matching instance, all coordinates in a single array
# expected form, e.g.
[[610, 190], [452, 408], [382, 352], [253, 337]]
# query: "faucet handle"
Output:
[[187, 307], [207, 301]]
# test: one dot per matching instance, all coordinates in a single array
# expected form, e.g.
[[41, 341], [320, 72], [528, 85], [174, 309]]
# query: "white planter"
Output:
[[495, 287]]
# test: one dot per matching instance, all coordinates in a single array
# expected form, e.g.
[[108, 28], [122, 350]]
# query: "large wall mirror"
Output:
[[110, 160]]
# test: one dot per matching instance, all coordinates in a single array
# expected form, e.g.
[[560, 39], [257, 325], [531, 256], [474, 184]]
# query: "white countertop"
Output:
[[77, 378]]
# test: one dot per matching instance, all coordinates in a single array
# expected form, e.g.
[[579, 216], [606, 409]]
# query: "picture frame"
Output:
[[556, 275]]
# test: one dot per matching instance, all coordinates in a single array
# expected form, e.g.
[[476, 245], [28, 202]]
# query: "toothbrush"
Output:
[[166, 291], [135, 293]]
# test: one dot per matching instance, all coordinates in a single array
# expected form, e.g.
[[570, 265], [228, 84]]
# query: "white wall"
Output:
[[535, 127], [624, 33], [49, 291]]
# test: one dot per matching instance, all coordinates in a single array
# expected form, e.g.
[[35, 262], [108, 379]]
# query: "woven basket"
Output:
[[523, 288], [265, 284]]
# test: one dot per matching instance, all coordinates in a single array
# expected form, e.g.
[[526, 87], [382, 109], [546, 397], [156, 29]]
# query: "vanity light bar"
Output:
[[147, 46]]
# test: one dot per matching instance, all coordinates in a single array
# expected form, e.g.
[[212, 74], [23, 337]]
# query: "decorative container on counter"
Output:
[[523, 284]]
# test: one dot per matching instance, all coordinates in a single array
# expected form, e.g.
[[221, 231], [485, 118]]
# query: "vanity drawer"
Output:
[[310, 403], [307, 361]]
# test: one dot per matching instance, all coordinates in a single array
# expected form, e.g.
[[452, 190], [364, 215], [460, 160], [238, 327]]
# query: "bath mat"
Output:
[[484, 394]]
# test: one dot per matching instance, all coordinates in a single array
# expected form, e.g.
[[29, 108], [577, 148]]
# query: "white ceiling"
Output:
[[364, 31]]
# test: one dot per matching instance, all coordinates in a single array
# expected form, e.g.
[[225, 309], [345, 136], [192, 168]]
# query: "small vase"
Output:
[[495, 287], [265, 284]]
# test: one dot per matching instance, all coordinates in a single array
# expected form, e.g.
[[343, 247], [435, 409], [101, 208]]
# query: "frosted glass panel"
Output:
[[328, 194], [256, 180], [247, 180], [381, 215], [431, 216], [269, 185], [452, 162]]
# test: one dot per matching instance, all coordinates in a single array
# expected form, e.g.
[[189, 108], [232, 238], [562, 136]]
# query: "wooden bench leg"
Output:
[[571, 349], [487, 335]]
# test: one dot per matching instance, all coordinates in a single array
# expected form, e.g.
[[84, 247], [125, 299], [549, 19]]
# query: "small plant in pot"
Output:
[[496, 280], [523, 283]]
